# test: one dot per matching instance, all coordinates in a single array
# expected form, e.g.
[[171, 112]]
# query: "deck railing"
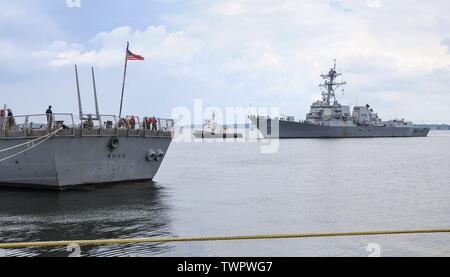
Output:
[[38, 125], [161, 128]]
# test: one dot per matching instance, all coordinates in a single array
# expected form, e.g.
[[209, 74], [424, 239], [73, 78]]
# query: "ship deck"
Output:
[[65, 125]]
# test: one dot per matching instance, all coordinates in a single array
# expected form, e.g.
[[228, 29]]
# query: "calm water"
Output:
[[233, 189]]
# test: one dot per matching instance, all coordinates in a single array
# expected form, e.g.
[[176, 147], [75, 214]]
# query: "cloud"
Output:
[[155, 43], [7, 47], [340, 6], [229, 8], [446, 43], [26, 21], [267, 52]]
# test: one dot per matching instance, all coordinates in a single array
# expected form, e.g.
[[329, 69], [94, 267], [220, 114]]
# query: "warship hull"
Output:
[[64, 162], [291, 130]]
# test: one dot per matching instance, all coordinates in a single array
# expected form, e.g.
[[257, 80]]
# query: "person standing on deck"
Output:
[[154, 124], [2, 118], [148, 123], [132, 122], [10, 122], [49, 114]]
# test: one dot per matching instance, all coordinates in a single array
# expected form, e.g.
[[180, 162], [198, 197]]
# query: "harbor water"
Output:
[[221, 189]]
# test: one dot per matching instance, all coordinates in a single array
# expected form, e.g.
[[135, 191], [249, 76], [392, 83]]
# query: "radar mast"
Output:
[[330, 84]]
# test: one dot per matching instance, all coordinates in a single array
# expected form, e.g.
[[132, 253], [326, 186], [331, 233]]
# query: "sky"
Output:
[[394, 54]]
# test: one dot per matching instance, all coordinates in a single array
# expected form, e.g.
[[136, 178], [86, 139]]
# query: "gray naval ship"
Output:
[[58, 151], [329, 119]]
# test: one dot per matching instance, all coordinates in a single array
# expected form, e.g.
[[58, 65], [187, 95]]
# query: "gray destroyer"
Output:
[[329, 119], [66, 151]]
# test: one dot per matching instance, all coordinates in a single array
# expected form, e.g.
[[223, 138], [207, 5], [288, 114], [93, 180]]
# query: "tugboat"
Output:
[[212, 130], [60, 150], [329, 119]]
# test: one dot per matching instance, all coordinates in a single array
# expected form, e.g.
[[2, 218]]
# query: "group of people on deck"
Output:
[[150, 123]]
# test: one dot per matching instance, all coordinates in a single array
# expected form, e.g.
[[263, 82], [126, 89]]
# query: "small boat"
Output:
[[212, 130]]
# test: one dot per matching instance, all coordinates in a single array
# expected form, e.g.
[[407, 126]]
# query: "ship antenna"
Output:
[[80, 108], [330, 85], [95, 97]]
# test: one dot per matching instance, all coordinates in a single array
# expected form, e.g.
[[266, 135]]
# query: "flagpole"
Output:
[[124, 78]]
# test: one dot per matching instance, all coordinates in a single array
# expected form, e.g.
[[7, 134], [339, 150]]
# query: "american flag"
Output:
[[134, 57]]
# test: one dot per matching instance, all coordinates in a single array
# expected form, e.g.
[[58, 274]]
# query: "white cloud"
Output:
[[270, 52], [155, 43], [229, 8], [446, 43], [7, 47]]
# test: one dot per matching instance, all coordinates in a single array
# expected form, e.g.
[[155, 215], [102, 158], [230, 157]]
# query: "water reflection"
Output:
[[102, 212]]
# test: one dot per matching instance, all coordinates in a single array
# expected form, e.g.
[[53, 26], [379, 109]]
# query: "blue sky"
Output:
[[395, 54]]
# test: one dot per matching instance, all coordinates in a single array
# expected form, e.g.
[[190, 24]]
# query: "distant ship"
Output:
[[212, 130], [329, 119], [58, 151]]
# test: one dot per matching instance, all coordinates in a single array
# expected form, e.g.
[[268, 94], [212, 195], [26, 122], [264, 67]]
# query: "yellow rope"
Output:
[[220, 238]]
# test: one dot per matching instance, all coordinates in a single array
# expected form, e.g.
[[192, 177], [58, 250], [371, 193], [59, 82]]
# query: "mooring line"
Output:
[[31, 141], [44, 139], [9, 245]]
